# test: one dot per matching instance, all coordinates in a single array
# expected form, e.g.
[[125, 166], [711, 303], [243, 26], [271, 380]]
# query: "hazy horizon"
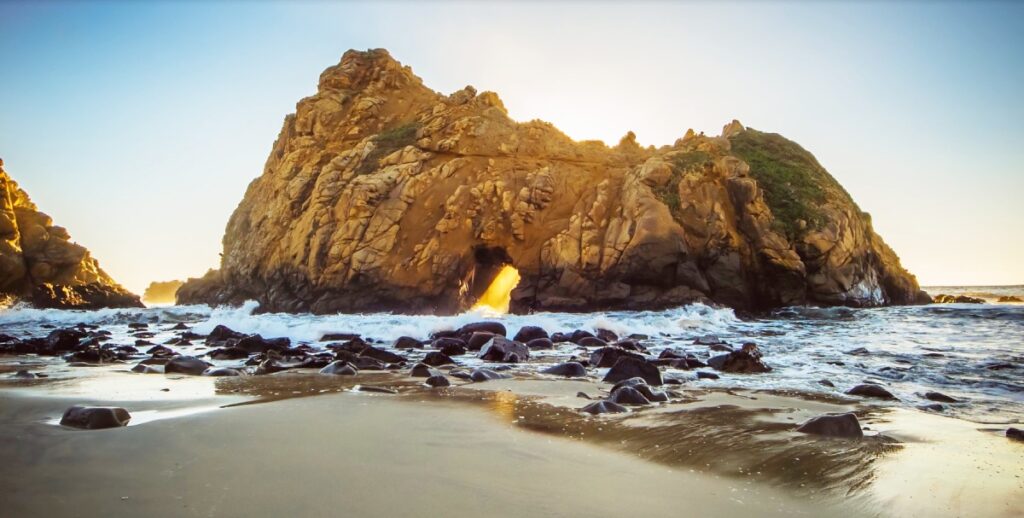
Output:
[[138, 127]]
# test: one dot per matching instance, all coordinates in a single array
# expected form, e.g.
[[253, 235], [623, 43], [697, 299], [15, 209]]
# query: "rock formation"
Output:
[[381, 194], [161, 292], [38, 261]]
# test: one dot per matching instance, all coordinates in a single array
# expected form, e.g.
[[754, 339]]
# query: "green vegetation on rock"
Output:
[[795, 185]]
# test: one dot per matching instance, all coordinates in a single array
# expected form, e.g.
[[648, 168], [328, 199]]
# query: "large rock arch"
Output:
[[379, 193]]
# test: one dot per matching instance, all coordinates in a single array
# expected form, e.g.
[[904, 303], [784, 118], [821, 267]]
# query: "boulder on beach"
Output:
[[527, 333], [339, 368], [95, 417], [604, 407], [629, 367], [482, 374], [500, 349], [746, 361], [438, 381], [567, 369], [841, 425], [185, 365], [871, 391], [939, 396]]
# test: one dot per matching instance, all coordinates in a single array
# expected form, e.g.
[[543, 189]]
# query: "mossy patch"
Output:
[[388, 142], [795, 185]]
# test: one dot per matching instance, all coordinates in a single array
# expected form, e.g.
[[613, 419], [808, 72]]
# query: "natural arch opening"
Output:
[[494, 279]]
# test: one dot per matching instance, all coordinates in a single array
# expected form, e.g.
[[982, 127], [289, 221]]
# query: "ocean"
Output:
[[971, 352]]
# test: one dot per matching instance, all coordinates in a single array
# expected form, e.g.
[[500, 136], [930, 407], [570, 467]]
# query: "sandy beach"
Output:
[[313, 445]]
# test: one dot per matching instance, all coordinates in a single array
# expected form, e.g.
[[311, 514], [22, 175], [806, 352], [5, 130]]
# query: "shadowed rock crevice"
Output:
[[380, 193]]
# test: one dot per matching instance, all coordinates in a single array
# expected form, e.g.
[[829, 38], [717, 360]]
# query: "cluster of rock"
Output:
[[943, 298], [381, 194], [39, 263], [635, 375]]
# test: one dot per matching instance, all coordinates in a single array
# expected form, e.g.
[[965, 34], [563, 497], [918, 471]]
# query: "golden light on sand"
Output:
[[499, 293]]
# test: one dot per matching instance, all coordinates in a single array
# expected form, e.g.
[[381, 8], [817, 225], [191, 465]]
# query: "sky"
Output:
[[138, 126]]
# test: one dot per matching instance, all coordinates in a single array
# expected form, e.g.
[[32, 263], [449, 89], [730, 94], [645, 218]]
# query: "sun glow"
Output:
[[499, 293]]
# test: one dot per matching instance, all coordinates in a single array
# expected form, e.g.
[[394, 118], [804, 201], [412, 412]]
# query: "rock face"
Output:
[[39, 263], [381, 194]]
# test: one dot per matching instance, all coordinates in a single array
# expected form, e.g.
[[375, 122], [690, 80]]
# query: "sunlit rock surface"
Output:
[[40, 263], [382, 194]]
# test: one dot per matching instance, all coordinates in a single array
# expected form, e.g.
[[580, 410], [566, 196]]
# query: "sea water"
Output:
[[972, 352]]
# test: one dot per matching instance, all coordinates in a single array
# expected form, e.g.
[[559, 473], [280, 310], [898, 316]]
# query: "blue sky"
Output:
[[138, 125]]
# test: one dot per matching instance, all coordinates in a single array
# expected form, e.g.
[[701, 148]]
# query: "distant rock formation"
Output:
[[161, 292], [40, 264], [381, 194]]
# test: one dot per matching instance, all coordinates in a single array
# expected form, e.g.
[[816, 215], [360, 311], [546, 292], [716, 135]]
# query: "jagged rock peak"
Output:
[[382, 194], [40, 263]]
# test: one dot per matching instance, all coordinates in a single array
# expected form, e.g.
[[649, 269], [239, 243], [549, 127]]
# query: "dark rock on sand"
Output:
[[451, 346], [540, 343], [407, 342], [591, 341], [939, 396], [628, 396], [438, 381], [491, 327], [95, 417], [628, 367], [568, 369], [641, 386], [185, 365], [422, 370], [608, 356], [477, 340], [382, 355], [222, 333], [604, 407], [437, 358], [745, 361], [500, 349], [258, 344], [842, 425], [143, 368], [63, 339], [607, 335], [228, 353], [482, 374], [1015, 434], [872, 391], [527, 333], [339, 368]]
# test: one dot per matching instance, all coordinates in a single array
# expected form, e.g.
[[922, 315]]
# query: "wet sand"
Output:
[[313, 445]]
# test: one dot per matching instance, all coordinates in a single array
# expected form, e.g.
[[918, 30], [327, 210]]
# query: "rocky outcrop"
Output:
[[381, 194], [39, 263], [161, 292]]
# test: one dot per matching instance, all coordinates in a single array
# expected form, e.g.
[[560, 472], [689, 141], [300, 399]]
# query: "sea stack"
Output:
[[382, 194], [40, 264]]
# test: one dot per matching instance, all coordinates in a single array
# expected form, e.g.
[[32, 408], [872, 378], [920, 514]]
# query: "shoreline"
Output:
[[743, 439]]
